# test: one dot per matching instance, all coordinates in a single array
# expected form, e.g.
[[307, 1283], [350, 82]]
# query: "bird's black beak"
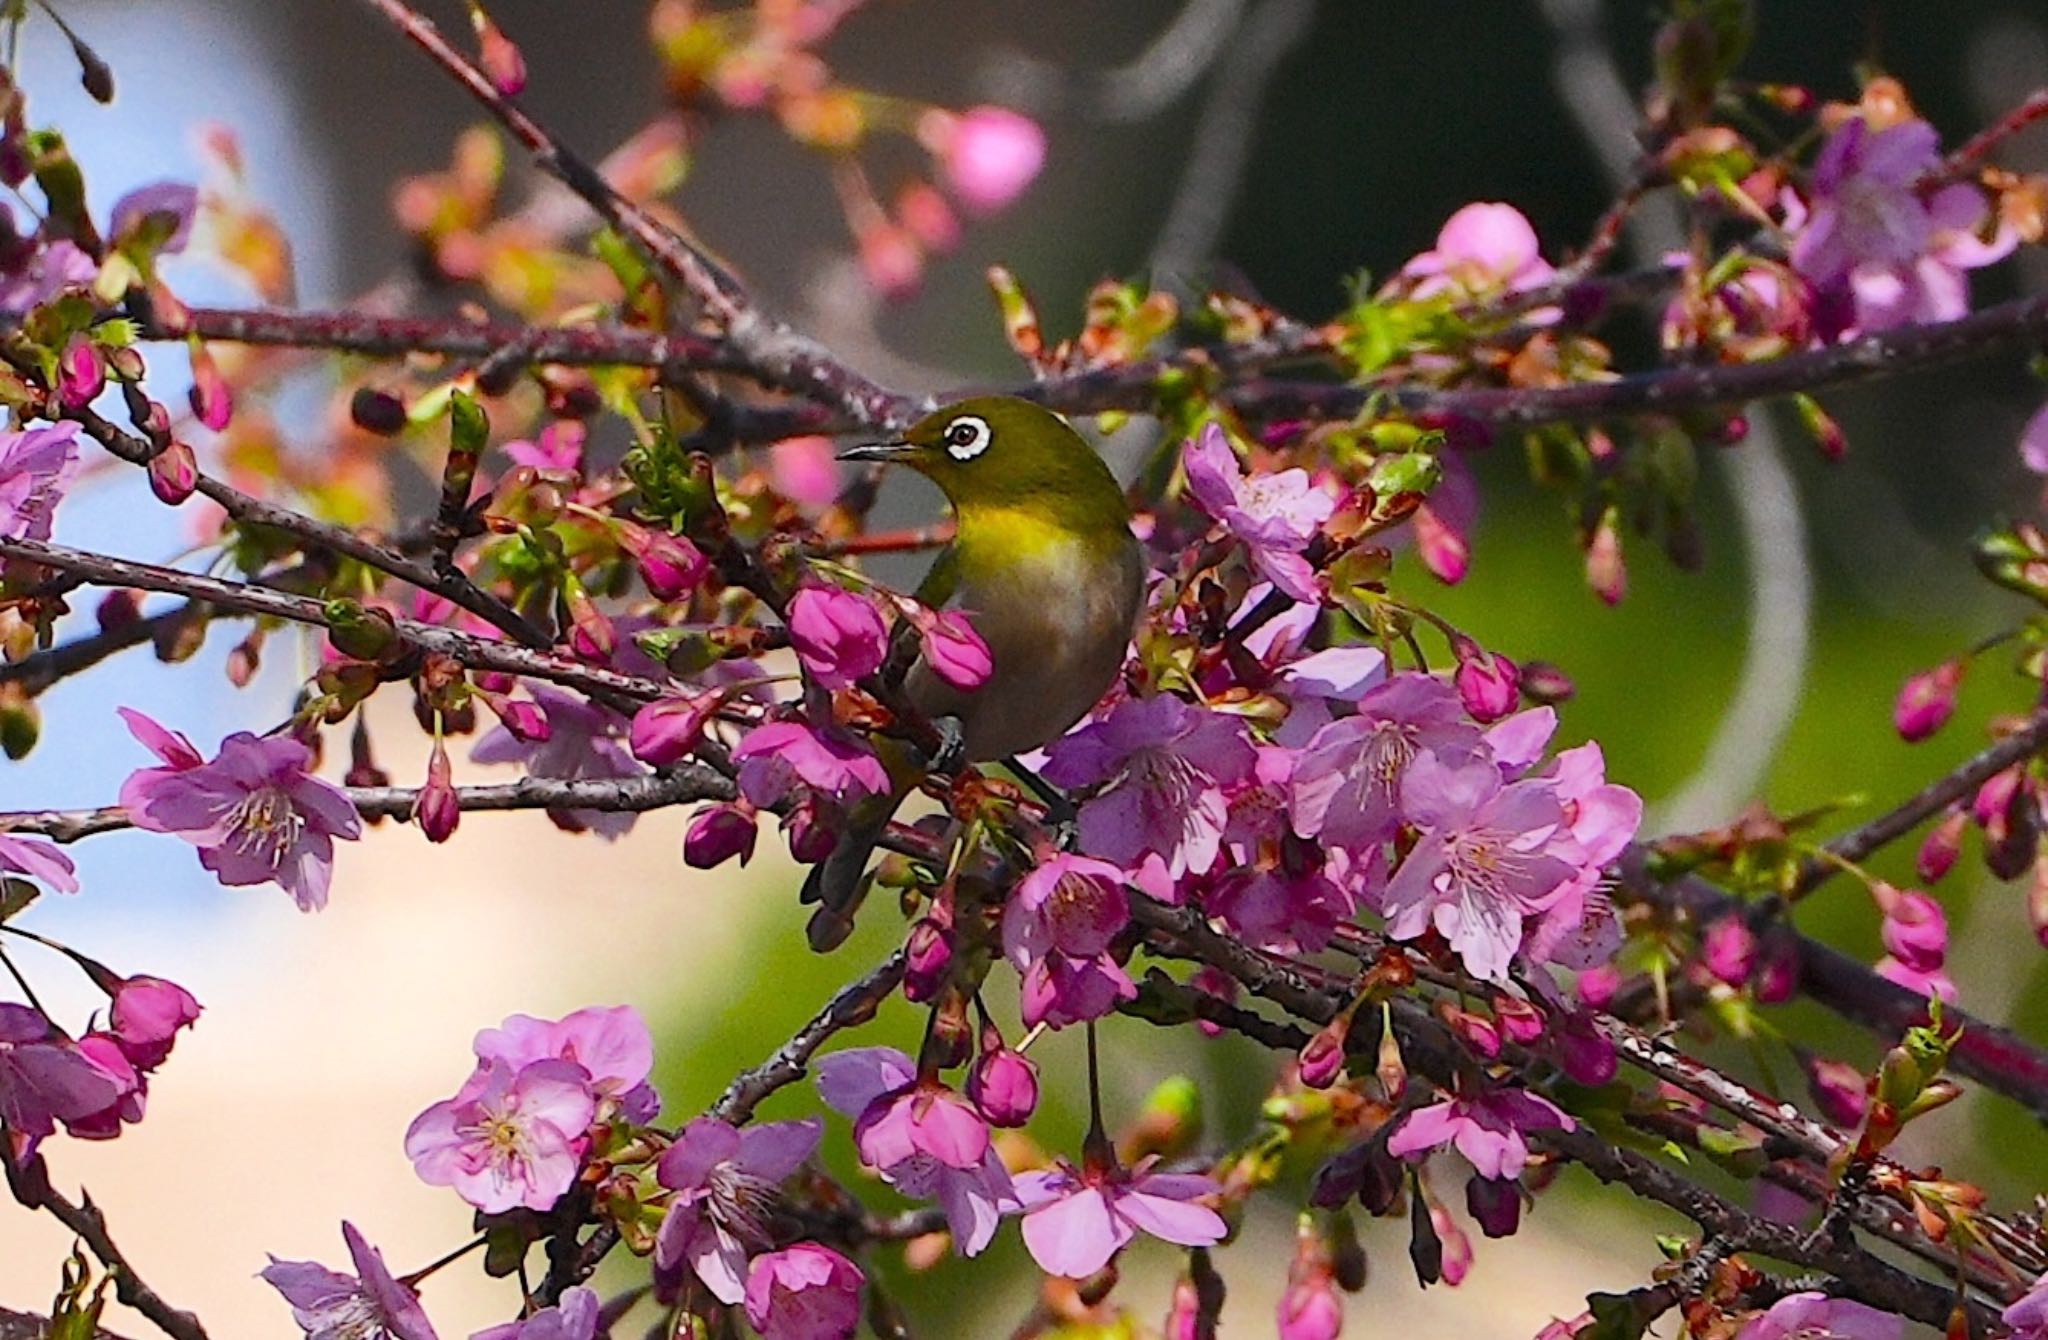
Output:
[[877, 451]]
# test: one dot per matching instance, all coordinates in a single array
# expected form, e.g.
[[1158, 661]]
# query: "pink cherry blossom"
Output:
[[1003, 1086], [1914, 928], [610, 1042], [1489, 855], [45, 1077], [254, 812], [1273, 514], [1486, 1129], [558, 448], [508, 1138], [974, 1199], [131, 1088], [1815, 1316], [1057, 929], [1931, 982], [1075, 1220], [1346, 786], [921, 1117], [718, 833], [583, 741], [778, 755], [37, 468], [953, 649], [575, 1317], [1927, 701], [838, 636], [46, 272], [987, 155], [668, 730], [725, 1180], [1580, 929], [1879, 249], [2029, 1316], [368, 1305], [38, 860], [805, 1292], [1167, 763], [1484, 247]]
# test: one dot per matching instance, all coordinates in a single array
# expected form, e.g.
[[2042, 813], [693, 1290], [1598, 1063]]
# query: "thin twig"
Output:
[[31, 1186], [852, 1005]]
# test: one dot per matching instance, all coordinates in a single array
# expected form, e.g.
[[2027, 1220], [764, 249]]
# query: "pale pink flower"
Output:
[[1483, 248], [610, 1042], [1057, 929], [368, 1305], [1346, 786], [986, 155], [582, 742], [508, 1138], [1486, 1129], [778, 755], [1076, 1219], [575, 1317], [255, 812], [2029, 1316], [37, 468], [805, 1292], [1815, 1316], [38, 860], [1274, 515]]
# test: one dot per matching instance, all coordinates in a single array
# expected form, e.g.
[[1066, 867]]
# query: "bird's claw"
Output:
[[952, 746]]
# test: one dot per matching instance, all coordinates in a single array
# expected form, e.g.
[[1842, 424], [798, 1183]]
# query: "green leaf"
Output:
[[469, 428]]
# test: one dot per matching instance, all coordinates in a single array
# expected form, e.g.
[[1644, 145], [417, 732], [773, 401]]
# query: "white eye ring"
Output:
[[967, 437]]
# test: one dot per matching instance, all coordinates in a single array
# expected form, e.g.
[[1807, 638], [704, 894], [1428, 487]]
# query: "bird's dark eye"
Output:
[[967, 437]]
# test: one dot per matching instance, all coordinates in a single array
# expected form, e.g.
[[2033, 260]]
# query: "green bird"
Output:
[[1044, 564]]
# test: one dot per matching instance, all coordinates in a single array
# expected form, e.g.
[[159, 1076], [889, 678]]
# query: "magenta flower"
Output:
[[987, 155], [667, 730], [1927, 700], [838, 636], [1346, 787], [953, 650], [557, 448], [1167, 763], [1057, 930], [1878, 250], [45, 1077], [1728, 949], [974, 1199], [1003, 1085], [1273, 515], [1815, 1316], [575, 1317], [1931, 982], [2029, 1316], [508, 1138], [131, 1089], [1075, 1220], [1489, 684], [805, 1292], [718, 833], [368, 1305], [1914, 929], [781, 754], [38, 860], [1483, 248], [1487, 858], [1273, 907], [583, 741], [146, 1015], [725, 1182], [37, 468], [922, 1117], [255, 812], [1487, 1130]]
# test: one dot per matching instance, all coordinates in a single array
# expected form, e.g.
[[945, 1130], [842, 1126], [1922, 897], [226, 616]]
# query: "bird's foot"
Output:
[[952, 747]]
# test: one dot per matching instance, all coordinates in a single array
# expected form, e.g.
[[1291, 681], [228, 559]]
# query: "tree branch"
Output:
[[31, 1186]]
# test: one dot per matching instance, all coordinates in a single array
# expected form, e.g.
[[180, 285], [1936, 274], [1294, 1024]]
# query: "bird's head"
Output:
[[1002, 452]]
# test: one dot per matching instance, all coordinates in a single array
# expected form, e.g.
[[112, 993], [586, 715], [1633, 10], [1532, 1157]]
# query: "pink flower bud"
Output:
[[437, 808], [1213, 982], [1457, 1247], [1543, 682], [1994, 799], [591, 634], [1442, 548], [717, 834], [499, 55], [1944, 842], [667, 730], [2037, 904], [1586, 1057], [1840, 1090], [1777, 975], [1004, 1086], [839, 636], [145, 1017], [211, 400], [118, 609], [1475, 1031], [1598, 985], [522, 718], [927, 954], [987, 155], [1310, 1307], [1915, 929], [1495, 1205], [173, 473], [1519, 1020], [891, 260], [926, 216], [1184, 1313], [1606, 569], [1927, 700], [1488, 684], [810, 833], [81, 373], [669, 564], [1729, 950], [1322, 1060], [954, 651]]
